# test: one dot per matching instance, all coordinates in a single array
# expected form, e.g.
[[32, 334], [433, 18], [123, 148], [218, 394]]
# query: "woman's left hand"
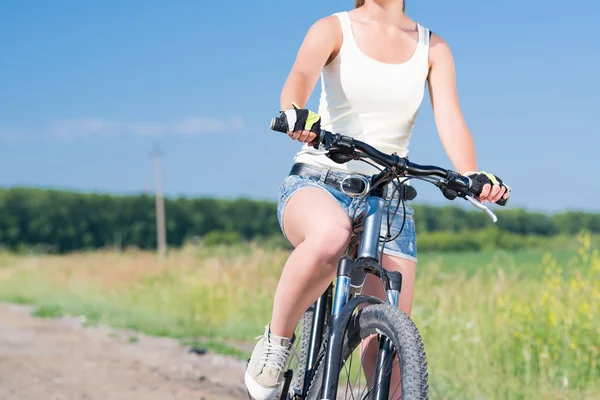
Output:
[[493, 187]]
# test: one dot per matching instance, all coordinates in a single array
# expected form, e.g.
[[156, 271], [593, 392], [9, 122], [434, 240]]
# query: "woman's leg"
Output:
[[319, 228], [373, 287]]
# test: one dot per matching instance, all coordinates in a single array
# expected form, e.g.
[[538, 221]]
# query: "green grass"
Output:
[[48, 311], [524, 264], [495, 324]]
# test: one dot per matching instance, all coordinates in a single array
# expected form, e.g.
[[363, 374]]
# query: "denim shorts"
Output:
[[404, 246]]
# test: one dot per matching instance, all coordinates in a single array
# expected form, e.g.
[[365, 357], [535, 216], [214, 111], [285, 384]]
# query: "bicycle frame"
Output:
[[351, 273]]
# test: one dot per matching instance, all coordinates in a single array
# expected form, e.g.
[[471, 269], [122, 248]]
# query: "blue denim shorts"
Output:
[[404, 246]]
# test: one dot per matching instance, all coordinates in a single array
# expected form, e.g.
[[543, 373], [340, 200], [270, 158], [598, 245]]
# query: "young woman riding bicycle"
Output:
[[374, 62]]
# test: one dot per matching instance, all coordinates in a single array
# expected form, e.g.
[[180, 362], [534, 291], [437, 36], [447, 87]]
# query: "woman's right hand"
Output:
[[303, 136], [303, 124]]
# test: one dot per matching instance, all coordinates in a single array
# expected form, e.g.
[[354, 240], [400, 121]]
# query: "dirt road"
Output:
[[59, 359]]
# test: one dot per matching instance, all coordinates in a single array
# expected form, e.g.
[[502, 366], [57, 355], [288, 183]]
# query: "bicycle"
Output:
[[334, 326]]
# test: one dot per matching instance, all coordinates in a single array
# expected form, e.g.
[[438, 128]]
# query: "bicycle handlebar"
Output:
[[460, 184]]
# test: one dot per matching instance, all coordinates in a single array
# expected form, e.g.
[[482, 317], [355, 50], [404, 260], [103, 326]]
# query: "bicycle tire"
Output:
[[305, 325], [299, 373], [396, 325]]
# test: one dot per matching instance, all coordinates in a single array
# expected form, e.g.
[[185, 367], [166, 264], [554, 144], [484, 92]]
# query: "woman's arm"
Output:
[[452, 128], [320, 45]]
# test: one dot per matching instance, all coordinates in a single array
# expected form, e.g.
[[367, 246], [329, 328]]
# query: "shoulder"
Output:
[[439, 50], [438, 46], [328, 26], [326, 33]]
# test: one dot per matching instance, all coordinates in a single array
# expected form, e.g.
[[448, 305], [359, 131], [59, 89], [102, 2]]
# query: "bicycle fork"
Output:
[[367, 262]]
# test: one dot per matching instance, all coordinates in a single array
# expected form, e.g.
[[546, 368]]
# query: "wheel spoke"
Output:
[[348, 368]]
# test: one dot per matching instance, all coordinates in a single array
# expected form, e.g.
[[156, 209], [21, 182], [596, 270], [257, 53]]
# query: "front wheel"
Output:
[[407, 359]]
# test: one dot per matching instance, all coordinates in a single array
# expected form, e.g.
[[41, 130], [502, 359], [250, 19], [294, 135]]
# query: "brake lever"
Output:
[[482, 207]]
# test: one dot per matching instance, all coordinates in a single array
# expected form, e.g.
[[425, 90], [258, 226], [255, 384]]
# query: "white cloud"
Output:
[[76, 128], [85, 127], [9, 134]]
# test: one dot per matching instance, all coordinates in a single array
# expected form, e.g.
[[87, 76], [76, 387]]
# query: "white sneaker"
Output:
[[267, 364]]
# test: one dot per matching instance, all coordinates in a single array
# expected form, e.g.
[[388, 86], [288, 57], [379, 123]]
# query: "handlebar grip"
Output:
[[279, 124], [502, 202], [477, 187]]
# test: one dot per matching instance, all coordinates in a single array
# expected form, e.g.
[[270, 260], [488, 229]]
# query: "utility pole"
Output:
[[161, 234]]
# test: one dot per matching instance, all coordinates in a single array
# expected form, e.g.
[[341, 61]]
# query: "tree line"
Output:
[[64, 221]]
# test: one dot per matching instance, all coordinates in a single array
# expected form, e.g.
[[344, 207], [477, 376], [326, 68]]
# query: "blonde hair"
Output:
[[360, 3]]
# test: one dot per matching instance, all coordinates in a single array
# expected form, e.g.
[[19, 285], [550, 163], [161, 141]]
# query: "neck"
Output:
[[391, 8]]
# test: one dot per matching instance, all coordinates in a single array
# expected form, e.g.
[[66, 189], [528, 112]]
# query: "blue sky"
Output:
[[87, 89]]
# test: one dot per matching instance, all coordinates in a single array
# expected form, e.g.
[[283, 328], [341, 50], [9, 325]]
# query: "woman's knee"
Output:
[[329, 242], [324, 229]]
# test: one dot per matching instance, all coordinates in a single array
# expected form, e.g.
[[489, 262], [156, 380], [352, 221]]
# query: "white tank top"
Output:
[[371, 101]]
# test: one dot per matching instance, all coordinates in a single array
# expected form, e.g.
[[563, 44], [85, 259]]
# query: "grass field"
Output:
[[495, 325]]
